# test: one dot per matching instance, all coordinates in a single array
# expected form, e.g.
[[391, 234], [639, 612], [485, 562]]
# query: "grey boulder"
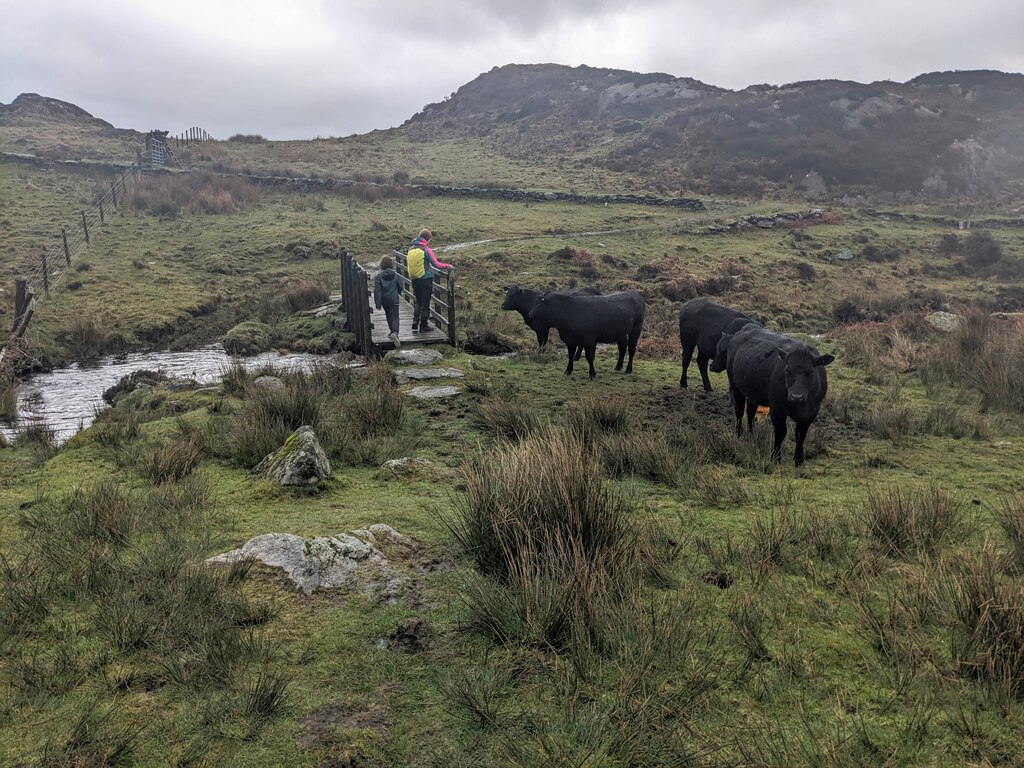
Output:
[[300, 461]]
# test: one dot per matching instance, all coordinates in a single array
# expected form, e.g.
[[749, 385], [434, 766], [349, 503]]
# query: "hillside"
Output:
[[952, 133], [51, 128], [939, 135]]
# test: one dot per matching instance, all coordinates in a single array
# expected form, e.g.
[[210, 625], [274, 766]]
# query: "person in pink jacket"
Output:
[[421, 262]]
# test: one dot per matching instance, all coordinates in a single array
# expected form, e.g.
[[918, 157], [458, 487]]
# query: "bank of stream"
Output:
[[67, 399]]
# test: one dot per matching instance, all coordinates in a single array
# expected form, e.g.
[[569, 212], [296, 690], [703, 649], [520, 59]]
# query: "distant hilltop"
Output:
[[941, 134], [33, 107]]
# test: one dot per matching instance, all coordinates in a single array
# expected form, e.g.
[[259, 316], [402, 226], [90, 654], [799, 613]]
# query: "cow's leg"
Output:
[[801, 434], [631, 343], [542, 337], [687, 356], [572, 352], [751, 412], [579, 352], [702, 363], [779, 422], [590, 348], [738, 402], [622, 355]]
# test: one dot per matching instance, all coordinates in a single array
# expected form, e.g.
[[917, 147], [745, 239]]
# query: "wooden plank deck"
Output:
[[380, 328]]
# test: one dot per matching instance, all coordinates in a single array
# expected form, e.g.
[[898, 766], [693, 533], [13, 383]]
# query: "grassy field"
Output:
[[866, 608]]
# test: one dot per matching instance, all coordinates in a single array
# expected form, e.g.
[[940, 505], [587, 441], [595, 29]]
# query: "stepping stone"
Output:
[[433, 393], [406, 375], [413, 356]]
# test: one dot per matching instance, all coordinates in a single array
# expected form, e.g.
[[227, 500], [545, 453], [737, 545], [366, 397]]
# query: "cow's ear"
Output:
[[824, 359]]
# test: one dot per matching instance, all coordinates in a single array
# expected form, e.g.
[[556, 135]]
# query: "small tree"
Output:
[[981, 249], [950, 244]]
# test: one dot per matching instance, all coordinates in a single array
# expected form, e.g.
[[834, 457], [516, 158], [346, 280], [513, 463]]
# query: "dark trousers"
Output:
[[391, 313], [422, 289]]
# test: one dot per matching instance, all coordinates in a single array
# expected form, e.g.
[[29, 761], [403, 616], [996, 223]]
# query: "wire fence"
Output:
[[58, 254]]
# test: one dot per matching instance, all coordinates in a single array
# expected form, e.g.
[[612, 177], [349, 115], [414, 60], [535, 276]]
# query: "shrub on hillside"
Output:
[[248, 138], [981, 249], [168, 194]]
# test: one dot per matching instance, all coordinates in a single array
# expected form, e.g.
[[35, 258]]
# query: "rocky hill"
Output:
[[29, 108], [940, 134]]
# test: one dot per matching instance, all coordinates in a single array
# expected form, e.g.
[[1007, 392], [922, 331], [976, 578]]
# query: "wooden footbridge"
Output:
[[370, 326]]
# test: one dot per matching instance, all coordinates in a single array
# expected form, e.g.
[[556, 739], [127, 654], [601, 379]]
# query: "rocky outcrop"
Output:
[[420, 356], [300, 461]]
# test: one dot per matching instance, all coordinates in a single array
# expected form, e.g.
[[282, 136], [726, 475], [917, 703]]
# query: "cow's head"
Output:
[[800, 371], [540, 305], [721, 353], [512, 293]]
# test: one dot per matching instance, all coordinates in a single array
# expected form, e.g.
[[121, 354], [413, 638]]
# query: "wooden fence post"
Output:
[[451, 307], [67, 251], [341, 263], [46, 274], [20, 299], [85, 228]]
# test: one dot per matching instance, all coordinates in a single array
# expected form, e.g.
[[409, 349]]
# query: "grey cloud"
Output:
[[361, 65]]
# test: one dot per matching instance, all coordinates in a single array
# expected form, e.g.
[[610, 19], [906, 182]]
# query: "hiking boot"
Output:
[[394, 338]]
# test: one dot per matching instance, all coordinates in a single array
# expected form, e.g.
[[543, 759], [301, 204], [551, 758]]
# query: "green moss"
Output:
[[248, 338]]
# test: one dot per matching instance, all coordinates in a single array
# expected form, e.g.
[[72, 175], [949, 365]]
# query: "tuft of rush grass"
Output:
[[8, 398], [480, 693], [175, 459], [554, 544], [40, 438], [904, 524], [988, 643], [507, 418], [1010, 518]]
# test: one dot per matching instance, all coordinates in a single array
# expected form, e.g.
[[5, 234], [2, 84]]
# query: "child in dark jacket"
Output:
[[387, 293]]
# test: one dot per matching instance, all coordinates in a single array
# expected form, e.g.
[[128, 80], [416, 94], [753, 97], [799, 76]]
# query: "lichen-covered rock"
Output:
[[300, 461], [268, 382], [322, 562], [407, 466], [433, 393], [944, 321]]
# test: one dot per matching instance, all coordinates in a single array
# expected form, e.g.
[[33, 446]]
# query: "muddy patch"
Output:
[[411, 636], [324, 726]]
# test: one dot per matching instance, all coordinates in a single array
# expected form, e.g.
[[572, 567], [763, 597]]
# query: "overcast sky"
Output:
[[302, 68]]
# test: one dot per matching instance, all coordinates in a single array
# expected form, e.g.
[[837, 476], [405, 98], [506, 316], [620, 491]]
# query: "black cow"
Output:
[[701, 323], [782, 373], [720, 361], [584, 321], [522, 300]]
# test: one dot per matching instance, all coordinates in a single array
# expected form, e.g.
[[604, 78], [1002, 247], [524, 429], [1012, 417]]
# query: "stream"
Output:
[[67, 399]]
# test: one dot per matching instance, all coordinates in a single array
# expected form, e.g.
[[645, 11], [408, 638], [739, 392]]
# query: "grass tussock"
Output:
[[507, 418], [358, 418], [176, 458], [988, 642], [904, 524], [1010, 518], [8, 398], [983, 354], [108, 592], [554, 544]]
